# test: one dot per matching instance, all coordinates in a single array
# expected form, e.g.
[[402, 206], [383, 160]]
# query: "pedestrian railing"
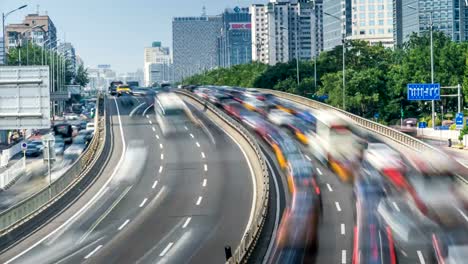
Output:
[[247, 244], [32, 206], [11, 174]]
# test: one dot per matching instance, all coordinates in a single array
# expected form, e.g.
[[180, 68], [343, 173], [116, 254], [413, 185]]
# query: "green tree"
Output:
[[82, 76]]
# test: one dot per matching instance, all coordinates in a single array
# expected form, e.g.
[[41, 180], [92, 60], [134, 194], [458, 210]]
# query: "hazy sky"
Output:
[[116, 31]]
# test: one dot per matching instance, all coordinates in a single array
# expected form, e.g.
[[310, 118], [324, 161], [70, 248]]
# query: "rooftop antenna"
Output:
[[204, 11]]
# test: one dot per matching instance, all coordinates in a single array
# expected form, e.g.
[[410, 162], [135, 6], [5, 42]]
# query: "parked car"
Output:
[[59, 146]]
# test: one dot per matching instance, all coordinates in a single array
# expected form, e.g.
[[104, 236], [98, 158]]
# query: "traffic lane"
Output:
[[34, 248], [215, 210]]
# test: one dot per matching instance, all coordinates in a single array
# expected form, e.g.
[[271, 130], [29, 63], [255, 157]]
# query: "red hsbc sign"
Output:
[[240, 26]]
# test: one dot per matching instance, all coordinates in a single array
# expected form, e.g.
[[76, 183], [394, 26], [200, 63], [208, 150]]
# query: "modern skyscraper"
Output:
[[448, 16], [283, 31], [157, 64], [36, 28], [336, 22], [317, 28], [372, 21], [195, 44], [235, 40]]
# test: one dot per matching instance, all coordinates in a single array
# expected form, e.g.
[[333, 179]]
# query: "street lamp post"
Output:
[[431, 30], [27, 40], [4, 17], [296, 50], [343, 36]]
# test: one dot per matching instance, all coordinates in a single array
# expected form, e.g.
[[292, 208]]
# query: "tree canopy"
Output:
[[376, 77]]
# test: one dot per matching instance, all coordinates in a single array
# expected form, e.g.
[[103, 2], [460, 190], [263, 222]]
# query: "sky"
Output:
[[115, 32]]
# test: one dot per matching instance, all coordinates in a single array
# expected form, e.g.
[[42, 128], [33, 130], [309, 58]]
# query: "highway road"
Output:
[[159, 199]]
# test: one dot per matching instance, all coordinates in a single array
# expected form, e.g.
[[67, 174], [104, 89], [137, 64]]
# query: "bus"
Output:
[[171, 113], [65, 131], [332, 142]]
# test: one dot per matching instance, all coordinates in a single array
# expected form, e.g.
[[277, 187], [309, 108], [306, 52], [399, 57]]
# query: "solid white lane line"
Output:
[[154, 129], [204, 183], [319, 171], [146, 110], [463, 214], [338, 207], [198, 144], [308, 157], [343, 231], [186, 128], [98, 195], [92, 252], [205, 167], [203, 155], [143, 202], [421, 257], [199, 200], [161, 146], [135, 109], [343, 256], [192, 135], [157, 136], [160, 169], [150, 122], [154, 184], [124, 224], [162, 156], [329, 187], [166, 249], [396, 206], [187, 222]]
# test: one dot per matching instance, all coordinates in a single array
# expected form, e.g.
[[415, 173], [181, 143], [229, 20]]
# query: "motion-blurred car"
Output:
[[87, 133], [280, 118], [284, 147], [59, 146], [255, 105], [37, 143], [299, 224], [123, 89], [217, 98], [32, 151], [300, 175], [451, 246]]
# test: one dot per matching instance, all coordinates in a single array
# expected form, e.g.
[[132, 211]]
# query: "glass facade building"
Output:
[[448, 16], [337, 21], [235, 40], [195, 44]]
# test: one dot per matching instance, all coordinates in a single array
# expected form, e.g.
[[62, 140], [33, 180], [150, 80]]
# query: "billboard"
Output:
[[240, 26], [24, 97]]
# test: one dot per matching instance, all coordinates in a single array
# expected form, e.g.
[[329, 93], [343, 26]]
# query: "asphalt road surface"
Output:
[[159, 199]]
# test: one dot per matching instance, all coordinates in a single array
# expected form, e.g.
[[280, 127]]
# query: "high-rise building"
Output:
[[283, 31], [68, 51], [397, 23], [317, 28], [448, 16], [195, 44], [157, 63], [235, 41], [36, 28], [336, 22], [372, 21]]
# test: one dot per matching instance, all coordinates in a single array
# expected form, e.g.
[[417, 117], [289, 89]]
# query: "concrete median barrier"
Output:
[[29, 214]]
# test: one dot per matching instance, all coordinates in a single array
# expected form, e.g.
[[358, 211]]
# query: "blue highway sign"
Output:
[[423, 91]]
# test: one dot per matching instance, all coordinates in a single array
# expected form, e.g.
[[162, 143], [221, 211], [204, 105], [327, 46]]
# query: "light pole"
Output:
[[343, 36], [27, 40], [295, 45], [431, 30], [4, 17]]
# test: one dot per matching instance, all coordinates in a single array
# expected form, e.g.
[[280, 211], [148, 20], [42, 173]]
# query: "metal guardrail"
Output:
[[243, 251], [382, 130], [22, 212]]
